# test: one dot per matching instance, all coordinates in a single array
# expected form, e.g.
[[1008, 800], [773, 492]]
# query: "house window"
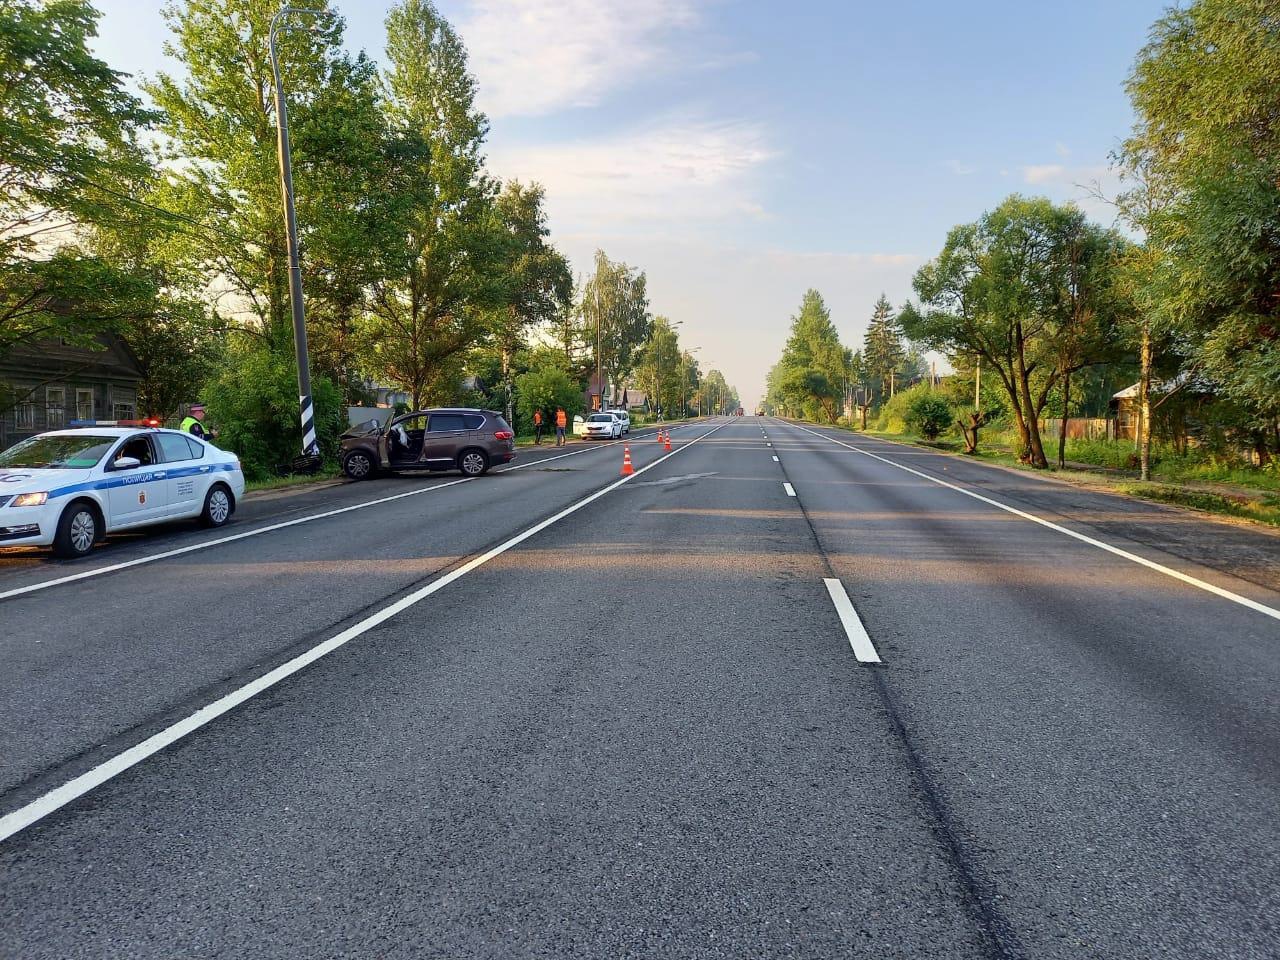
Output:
[[55, 408], [84, 403], [24, 414], [122, 411]]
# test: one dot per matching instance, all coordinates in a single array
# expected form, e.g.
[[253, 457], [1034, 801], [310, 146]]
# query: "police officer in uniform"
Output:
[[193, 423]]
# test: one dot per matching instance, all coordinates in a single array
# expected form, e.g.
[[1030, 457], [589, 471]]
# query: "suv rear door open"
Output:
[[445, 435]]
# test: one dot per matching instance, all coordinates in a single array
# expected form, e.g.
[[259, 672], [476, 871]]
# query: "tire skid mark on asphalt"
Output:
[[979, 891], [269, 528], [1083, 538], [28, 814]]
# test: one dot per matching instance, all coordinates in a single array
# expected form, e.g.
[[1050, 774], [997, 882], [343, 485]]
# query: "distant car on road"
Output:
[[603, 426], [625, 417], [454, 438], [69, 488]]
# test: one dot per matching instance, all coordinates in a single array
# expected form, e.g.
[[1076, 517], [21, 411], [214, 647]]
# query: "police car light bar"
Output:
[[148, 422]]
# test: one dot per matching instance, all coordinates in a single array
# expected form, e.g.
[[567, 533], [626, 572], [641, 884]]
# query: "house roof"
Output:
[[1184, 379]]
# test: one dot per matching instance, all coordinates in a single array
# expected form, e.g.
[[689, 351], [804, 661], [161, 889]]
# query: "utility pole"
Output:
[[306, 411], [599, 380]]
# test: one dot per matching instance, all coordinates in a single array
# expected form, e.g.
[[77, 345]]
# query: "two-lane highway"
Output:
[[556, 712]]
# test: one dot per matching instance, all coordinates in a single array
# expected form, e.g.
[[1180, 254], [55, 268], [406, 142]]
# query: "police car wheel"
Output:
[[357, 466], [217, 507], [473, 463], [77, 531]]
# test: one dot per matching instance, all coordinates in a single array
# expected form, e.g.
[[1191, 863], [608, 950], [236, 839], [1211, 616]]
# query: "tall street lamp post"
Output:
[[306, 412]]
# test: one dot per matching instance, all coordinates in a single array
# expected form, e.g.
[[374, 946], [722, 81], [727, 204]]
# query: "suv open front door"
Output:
[[400, 445]]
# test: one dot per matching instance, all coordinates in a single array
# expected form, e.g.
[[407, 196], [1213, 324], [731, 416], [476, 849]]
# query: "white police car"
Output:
[[69, 488]]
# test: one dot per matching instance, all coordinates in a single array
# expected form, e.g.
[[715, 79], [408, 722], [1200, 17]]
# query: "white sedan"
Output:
[[70, 488], [603, 426]]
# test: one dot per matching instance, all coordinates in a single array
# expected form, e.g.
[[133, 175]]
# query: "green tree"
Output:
[[1001, 290], [545, 386], [659, 367], [615, 320], [253, 403], [445, 269], [1207, 143], [539, 284], [219, 132], [715, 395], [811, 376], [882, 348], [67, 138]]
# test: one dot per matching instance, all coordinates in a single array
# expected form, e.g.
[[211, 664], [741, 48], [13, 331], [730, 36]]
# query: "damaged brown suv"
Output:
[[454, 438]]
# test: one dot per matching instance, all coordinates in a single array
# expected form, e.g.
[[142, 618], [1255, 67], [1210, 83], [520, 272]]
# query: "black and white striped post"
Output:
[[309, 446]]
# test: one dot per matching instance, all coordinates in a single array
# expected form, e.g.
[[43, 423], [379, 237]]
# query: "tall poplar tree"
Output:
[[443, 268]]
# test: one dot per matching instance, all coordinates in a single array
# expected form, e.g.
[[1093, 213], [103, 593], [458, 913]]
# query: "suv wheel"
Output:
[[78, 530], [473, 462], [358, 465]]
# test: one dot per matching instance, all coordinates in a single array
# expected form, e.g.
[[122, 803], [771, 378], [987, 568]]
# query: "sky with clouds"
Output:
[[743, 151]]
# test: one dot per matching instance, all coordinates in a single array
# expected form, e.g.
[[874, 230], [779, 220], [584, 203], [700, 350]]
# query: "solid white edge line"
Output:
[[1083, 538], [257, 531], [791, 491], [77, 787], [859, 639], [206, 544]]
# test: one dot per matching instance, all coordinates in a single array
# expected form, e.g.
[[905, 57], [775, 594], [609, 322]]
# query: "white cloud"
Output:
[[677, 170], [1043, 173], [1089, 186], [532, 57]]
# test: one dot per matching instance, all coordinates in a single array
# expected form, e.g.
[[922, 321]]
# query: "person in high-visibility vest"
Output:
[[562, 421], [193, 423], [537, 426]]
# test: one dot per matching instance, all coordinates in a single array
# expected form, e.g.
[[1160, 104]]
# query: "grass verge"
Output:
[[1237, 501], [290, 480]]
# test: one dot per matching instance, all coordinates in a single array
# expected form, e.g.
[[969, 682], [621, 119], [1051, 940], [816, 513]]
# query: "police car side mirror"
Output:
[[126, 463]]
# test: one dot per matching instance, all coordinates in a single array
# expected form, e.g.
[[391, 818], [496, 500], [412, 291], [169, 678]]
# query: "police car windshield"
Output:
[[602, 418], [78, 452]]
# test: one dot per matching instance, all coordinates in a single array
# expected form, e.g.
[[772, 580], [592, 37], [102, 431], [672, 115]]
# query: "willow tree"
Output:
[[1206, 144], [1022, 290]]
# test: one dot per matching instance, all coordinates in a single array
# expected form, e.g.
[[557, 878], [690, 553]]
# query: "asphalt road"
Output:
[[547, 713]]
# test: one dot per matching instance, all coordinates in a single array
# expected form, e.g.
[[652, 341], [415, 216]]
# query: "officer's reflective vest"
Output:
[[188, 423]]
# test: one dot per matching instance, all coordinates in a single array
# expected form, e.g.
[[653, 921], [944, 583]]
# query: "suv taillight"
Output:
[[503, 435]]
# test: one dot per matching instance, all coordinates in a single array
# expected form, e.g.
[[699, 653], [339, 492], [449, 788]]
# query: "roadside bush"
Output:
[[545, 388], [252, 401], [928, 414], [892, 415]]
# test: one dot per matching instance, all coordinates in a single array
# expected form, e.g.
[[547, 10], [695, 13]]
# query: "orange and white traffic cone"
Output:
[[666, 440], [658, 436], [627, 468]]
